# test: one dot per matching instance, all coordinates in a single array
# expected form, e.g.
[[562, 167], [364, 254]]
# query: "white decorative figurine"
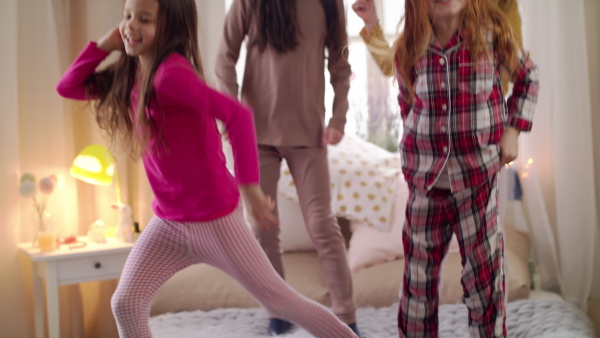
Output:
[[96, 232], [124, 229]]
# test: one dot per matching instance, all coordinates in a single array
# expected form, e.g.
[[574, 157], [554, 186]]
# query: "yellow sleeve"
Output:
[[379, 49], [511, 10]]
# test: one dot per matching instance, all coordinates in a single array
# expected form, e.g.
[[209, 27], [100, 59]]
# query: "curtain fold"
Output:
[[12, 281], [554, 32]]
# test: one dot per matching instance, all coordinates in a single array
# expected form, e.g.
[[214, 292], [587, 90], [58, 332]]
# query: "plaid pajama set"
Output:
[[452, 129]]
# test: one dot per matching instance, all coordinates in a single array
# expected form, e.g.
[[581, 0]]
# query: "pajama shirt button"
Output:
[[443, 129], [442, 61], [445, 149], [444, 107], [443, 84]]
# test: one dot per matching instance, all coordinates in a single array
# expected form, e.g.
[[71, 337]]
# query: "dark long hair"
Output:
[[176, 32], [278, 24]]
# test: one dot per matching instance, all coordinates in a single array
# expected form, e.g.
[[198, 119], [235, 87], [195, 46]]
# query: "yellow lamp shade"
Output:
[[94, 165]]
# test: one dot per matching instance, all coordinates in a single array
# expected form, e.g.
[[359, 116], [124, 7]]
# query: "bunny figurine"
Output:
[[124, 231]]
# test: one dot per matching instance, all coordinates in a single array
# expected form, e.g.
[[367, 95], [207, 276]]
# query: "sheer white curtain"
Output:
[[561, 146], [373, 113], [12, 291], [41, 134], [36, 138]]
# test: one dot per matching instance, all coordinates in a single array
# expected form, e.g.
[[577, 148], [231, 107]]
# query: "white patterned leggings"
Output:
[[166, 247]]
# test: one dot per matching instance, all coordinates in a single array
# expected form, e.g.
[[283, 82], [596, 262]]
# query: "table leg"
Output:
[[38, 303], [52, 305]]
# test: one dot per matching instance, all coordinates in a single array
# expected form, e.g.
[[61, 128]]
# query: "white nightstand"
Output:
[[65, 266]]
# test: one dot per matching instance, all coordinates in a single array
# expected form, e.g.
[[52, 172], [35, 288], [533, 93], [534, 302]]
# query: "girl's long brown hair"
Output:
[[477, 15], [278, 24], [176, 32]]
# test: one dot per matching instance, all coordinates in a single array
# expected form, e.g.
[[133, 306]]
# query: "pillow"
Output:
[[379, 285], [293, 236], [363, 177], [370, 246]]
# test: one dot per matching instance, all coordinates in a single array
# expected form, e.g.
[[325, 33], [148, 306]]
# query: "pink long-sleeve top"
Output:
[[191, 181]]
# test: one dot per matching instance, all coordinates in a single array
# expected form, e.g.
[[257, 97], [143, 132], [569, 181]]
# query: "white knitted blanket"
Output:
[[525, 319]]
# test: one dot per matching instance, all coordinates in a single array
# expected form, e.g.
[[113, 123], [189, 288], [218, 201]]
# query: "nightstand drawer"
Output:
[[83, 269]]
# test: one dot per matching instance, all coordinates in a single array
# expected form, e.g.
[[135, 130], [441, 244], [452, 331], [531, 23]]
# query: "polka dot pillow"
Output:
[[363, 181]]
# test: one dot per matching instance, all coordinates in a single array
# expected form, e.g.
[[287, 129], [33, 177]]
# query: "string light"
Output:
[[527, 165], [60, 181], [525, 174]]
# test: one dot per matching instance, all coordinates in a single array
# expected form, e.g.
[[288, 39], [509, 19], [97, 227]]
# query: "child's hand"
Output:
[[365, 9], [509, 145], [112, 40], [259, 205], [331, 136]]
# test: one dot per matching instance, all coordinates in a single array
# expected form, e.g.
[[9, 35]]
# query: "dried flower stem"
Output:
[[39, 209]]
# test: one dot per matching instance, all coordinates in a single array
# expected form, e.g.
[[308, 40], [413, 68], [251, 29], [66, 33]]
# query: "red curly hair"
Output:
[[416, 35]]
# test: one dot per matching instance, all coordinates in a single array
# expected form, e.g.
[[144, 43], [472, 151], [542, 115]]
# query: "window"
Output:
[[374, 112]]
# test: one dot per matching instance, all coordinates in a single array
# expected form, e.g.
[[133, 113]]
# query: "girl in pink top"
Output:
[[154, 100]]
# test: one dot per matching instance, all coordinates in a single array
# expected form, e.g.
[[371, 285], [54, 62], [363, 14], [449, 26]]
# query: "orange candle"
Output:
[[47, 241]]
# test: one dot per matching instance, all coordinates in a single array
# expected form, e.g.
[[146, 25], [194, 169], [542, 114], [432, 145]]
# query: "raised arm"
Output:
[[72, 84], [510, 8], [372, 35]]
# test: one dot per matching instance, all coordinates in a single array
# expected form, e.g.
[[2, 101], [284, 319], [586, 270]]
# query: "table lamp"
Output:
[[96, 165]]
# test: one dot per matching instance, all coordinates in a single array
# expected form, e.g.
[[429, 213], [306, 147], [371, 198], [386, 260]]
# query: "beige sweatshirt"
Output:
[[287, 91]]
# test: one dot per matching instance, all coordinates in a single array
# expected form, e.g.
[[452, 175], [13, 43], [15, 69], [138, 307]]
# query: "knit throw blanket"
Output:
[[525, 318]]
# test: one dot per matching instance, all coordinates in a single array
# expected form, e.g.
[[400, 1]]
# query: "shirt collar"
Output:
[[456, 40]]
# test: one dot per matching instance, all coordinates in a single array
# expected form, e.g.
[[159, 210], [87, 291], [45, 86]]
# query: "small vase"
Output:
[[45, 234]]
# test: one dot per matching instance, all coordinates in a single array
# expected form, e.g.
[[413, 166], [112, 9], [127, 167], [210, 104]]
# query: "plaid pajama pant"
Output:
[[472, 214], [166, 247]]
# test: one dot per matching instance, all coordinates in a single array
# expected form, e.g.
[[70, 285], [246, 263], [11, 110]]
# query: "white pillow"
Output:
[[294, 236], [363, 177], [370, 246]]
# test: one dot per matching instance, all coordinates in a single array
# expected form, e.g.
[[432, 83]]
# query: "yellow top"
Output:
[[380, 48]]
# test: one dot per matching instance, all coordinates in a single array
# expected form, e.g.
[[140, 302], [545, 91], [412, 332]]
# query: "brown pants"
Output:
[[309, 168]]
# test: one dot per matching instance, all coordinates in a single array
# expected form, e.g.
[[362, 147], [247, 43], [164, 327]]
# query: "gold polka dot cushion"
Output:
[[363, 181]]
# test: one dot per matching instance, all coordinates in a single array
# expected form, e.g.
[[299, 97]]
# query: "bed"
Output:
[[525, 319], [368, 197]]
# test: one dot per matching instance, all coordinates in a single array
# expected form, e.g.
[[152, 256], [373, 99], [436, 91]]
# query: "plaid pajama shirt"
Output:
[[455, 123]]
